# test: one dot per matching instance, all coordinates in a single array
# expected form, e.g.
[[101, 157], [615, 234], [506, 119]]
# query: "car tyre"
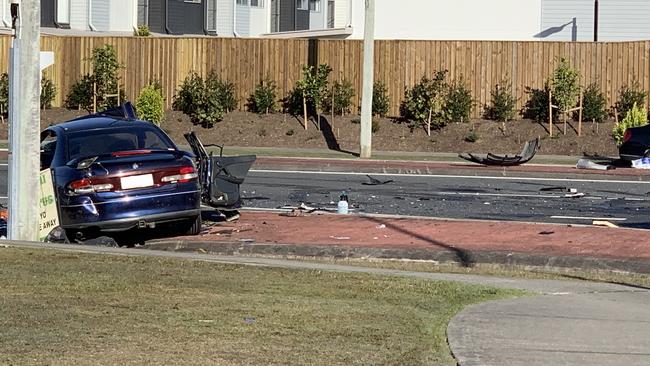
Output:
[[196, 224]]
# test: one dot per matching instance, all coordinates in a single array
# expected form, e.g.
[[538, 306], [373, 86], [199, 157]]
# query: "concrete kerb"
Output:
[[509, 259]]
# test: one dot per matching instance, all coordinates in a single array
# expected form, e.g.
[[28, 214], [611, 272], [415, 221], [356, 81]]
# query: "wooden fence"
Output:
[[399, 64]]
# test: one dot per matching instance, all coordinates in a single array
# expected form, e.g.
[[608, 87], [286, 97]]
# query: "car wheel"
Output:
[[195, 228]]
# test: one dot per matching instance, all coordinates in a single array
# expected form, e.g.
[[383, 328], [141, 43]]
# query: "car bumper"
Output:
[[120, 214]]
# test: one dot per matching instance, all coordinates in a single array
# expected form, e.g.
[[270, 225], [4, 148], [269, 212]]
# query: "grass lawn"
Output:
[[68, 308]]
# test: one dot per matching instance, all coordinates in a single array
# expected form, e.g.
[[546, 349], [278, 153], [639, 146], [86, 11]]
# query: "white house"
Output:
[[553, 20]]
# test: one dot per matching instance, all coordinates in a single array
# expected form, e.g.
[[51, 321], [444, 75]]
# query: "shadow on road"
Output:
[[464, 257]]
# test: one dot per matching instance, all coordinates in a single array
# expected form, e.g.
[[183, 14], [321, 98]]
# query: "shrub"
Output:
[[635, 117], [48, 92], [380, 101], [471, 136], [593, 104], [502, 105], [292, 103], [222, 90], [423, 103], [375, 125], [290, 132], [142, 31], [536, 107], [190, 94], [459, 103], [150, 105], [205, 101], [628, 96], [263, 99], [340, 97], [81, 94], [565, 84], [4, 94]]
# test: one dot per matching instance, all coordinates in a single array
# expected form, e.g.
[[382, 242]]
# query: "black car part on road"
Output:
[[220, 176]]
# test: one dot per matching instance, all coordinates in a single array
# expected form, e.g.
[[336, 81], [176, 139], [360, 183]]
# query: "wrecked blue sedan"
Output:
[[113, 173]]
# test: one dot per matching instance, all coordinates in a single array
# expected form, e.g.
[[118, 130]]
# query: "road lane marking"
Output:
[[589, 218], [532, 179]]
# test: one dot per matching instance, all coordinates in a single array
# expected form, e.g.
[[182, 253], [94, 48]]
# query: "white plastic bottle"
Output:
[[342, 207]]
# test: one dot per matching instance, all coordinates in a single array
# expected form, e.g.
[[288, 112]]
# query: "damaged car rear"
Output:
[[113, 174]]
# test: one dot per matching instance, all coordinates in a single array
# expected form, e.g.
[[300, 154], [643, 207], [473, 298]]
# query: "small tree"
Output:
[[263, 99], [628, 96], [380, 101], [458, 103], [594, 104], [423, 103], [103, 81], [48, 92], [565, 84], [150, 105], [340, 98], [313, 87], [502, 104]]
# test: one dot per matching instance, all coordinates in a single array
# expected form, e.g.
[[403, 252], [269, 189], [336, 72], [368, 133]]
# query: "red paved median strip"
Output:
[[434, 235]]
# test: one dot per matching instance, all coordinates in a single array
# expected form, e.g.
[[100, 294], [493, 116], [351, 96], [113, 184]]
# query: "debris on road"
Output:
[[375, 181], [643, 163], [558, 189], [604, 223], [527, 153], [592, 165]]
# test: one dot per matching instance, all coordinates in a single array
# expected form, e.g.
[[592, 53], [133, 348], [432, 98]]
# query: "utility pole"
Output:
[[368, 74], [24, 120]]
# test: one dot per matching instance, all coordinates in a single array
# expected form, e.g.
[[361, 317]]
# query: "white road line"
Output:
[[589, 218], [533, 179]]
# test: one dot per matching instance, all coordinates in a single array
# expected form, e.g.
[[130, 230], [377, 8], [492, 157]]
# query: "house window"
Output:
[[242, 2], [257, 3], [314, 5], [302, 5], [193, 1]]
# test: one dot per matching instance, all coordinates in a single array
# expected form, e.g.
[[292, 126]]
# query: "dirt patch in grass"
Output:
[[283, 130], [64, 308]]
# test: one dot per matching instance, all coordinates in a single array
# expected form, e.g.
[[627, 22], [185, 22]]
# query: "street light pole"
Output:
[[368, 73], [24, 121]]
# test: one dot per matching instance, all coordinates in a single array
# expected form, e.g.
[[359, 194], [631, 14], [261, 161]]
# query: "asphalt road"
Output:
[[625, 203]]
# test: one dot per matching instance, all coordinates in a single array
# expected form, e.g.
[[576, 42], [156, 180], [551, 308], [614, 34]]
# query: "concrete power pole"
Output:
[[24, 121], [368, 74]]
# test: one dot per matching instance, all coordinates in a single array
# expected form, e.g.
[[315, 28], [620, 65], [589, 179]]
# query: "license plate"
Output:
[[137, 181]]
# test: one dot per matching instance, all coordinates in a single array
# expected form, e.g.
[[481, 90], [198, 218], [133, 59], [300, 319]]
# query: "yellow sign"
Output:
[[48, 212]]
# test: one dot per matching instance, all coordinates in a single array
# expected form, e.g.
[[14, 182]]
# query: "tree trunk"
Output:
[[304, 109], [429, 122]]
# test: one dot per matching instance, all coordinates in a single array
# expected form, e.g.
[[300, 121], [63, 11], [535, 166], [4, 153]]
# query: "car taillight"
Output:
[[183, 175], [117, 154], [85, 186], [627, 135]]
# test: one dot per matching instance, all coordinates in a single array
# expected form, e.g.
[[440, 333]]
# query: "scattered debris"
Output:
[[527, 153], [558, 189], [643, 163], [592, 165], [340, 237], [375, 181], [546, 232], [574, 195], [249, 320], [604, 223], [102, 241], [382, 226]]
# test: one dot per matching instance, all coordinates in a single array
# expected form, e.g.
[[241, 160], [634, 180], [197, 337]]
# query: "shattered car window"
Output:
[[106, 141]]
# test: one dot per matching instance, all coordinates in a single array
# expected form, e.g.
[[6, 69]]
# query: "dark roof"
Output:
[[95, 122]]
